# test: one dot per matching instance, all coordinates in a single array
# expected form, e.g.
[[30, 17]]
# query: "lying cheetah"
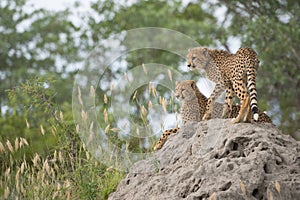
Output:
[[234, 72], [194, 106]]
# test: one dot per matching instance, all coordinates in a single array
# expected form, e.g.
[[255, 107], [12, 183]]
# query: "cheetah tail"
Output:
[[251, 85]]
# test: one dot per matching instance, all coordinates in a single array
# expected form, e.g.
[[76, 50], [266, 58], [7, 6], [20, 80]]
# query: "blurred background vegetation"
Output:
[[41, 50]]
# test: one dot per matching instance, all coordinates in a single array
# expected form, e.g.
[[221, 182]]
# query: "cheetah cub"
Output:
[[234, 73], [190, 108], [193, 108]]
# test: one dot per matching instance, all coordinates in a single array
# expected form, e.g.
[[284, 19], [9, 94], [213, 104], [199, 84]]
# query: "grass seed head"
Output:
[[170, 74], [243, 188], [144, 68], [6, 193], [105, 98], [92, 91], [2, 149], [277, 186], [16, 144], [105, 115], [61, 116], [9, 146], [42, 129], [27, 124]]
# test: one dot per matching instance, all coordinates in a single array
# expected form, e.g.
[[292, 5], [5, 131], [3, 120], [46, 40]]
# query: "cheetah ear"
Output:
[[193, 84], [176, 83], [205, 51]]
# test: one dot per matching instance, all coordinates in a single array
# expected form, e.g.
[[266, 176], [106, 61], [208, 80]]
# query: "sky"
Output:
[[84, 7], [59, 4]]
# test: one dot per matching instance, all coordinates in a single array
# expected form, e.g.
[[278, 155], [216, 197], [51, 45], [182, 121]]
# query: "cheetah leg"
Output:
[[241, 90], [164, 138], [227, 108], [247, 116], [209, 107], [244, 111]]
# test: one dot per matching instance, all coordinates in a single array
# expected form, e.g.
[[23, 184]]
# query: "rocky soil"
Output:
[[218, 160]]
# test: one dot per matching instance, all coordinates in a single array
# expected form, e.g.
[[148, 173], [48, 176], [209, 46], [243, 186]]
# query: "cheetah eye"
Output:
[[194, 57]]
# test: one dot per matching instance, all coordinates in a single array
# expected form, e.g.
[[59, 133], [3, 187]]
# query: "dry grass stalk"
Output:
[[61, 116], [27, 124], [54, 156], [150, 106], [79, 96], [2, 149], [92, 91], [134, 95], [23, 166], [105, 114], [23, 141], [9, 146], [87, 155], [23, 191], [144, 68], [277, 186], [83, 115], [170, 74], [144, 112], [213, 196], [270, 196], [17, 175], [112, 87], [55, 194], [46, 166], [60, 157], [77, 128], [16, 144], [6, 193], [163, 103], [152, 89], [115, 130], [243, 188], [126, 77], [36, 159], [107, 129], [42, 130], [105, 98]]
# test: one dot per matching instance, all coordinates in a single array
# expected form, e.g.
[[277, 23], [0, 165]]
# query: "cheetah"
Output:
[[235, 73], [187, 92], [190, 110]]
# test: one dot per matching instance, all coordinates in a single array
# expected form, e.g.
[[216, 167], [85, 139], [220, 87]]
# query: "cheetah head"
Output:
[[185, 90], [198, 58]]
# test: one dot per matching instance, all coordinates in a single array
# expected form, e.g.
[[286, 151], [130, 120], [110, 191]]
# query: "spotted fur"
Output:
[[235, 73], [190, 96]]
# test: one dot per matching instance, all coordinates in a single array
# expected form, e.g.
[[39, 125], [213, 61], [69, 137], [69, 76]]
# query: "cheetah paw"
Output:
[[235, 120], [206, 117]]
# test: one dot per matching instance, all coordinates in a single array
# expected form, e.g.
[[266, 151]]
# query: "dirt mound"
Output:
[[218, 160]]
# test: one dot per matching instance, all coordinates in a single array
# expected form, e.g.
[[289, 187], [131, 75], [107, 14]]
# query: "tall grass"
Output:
[[65, 169], [51, 177]]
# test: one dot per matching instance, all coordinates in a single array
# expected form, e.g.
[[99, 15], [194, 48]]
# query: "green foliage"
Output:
[[62, 169], [31, 43]]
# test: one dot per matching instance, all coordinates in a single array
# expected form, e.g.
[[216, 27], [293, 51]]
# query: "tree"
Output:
[[34, 42]]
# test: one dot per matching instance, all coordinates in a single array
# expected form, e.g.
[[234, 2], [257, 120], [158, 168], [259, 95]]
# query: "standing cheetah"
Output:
[[193, 108], [234, 72]]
